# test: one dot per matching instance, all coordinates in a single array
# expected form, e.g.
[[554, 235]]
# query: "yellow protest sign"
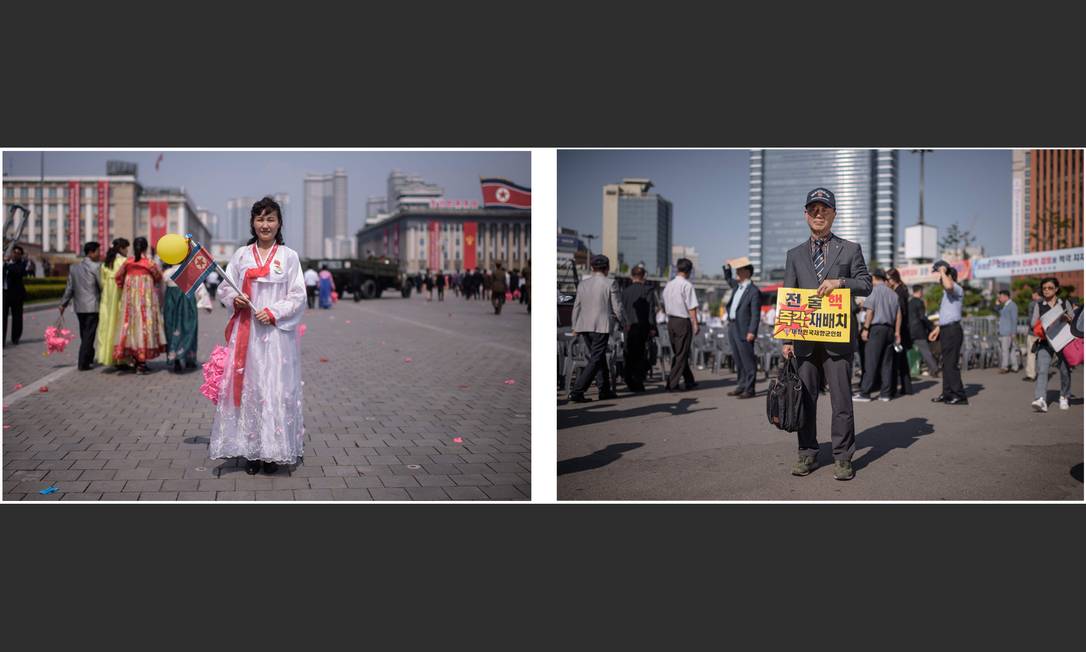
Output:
[[804, 316]]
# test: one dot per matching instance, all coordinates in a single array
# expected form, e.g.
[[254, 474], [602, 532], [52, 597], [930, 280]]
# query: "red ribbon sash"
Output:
[[244, 318]]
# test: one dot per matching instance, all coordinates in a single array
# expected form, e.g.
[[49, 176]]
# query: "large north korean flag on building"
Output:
[[502, 193]]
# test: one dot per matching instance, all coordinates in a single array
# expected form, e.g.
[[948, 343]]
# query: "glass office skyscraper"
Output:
[[636, 226], [864, 183]]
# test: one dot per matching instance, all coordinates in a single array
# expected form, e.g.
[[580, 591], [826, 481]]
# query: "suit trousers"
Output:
[[950, 338], [88, 329], [879, 357], [838, 374], [903, 380], [1006, 342], [743, 354], [924, 347], [597, 364], [13, 304], [681, 334], [636, 354]]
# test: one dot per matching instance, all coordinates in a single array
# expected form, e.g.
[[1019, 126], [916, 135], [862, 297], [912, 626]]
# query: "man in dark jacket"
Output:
[[15, 269], [744, 314], [919, 327], [639, 302], [901, 380]]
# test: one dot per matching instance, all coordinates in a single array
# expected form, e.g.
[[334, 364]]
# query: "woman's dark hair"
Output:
[[111, 255], [1051, 279], [894, 275], [139, 247], [265, 205]]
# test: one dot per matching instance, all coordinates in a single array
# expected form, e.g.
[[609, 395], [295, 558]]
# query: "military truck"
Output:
[[364, 278]]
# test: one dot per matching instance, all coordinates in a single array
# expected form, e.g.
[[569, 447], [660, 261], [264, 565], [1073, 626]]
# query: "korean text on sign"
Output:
[[804, 316]]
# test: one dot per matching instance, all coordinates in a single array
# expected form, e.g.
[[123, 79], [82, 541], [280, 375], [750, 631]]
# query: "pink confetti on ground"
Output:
[[462, 386], [348, 321], [458, 440], [324, 359], [302, 329], [43, 389], [407, 359], [18, 386], [6, 427], [510, 381]]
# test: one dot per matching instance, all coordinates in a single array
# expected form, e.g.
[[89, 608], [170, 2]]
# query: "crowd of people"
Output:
[[889, 321], [129, 312], [496, 286]]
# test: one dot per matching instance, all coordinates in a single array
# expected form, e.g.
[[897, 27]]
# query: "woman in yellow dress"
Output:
[[111, 302]]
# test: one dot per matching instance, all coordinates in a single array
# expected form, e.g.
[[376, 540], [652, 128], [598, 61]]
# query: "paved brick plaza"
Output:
[[704, 445], [377, 427]]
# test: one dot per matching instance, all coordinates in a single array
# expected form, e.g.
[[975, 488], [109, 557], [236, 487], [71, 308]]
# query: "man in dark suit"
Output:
[[639, 302], [15, 270], [744, 315], [826, 262], [919, 327]]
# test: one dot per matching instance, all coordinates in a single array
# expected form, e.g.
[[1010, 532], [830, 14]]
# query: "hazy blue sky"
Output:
[[211, 178], [709, 192]]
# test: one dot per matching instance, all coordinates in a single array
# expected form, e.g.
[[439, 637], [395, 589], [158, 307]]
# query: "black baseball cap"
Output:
[[599, 260], [822, 196]]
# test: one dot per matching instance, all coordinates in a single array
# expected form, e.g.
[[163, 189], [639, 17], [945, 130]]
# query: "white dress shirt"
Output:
[[679, 298]]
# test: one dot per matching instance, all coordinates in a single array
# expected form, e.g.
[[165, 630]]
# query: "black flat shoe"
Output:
[[177, 366], [956, 401], [939, 399], [270, 467], [252, 466]]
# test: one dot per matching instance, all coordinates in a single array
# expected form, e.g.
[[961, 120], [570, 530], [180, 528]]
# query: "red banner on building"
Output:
[[157, 221], [502, 193], [433, 260], [103, 214], [471, 239], [73, 215]]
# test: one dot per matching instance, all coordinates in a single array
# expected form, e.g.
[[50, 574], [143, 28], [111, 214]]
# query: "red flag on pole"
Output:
[[194, 269], [502, 193]]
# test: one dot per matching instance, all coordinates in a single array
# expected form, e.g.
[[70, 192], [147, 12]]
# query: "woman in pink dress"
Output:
[[141, 335]]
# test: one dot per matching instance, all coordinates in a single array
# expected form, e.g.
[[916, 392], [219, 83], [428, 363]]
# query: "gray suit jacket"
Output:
[[598, 305], [844, 260], [84, 285]]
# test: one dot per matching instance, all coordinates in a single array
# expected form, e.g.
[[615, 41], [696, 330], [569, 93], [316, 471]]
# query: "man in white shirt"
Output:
[[312, 280], [681, 306]]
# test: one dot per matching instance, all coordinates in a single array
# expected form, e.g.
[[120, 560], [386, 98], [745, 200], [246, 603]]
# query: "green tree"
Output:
[[957, 238], [1058, 229]]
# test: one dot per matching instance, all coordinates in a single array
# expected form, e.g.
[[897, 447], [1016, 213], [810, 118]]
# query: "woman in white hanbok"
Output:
[[259, 413]]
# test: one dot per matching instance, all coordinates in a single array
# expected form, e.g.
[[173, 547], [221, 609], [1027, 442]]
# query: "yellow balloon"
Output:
[[172, 248]]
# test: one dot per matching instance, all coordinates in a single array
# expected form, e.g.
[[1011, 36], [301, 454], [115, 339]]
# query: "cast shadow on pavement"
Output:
[[883, 438], [597, 459], [1076, 472], [586, 416]]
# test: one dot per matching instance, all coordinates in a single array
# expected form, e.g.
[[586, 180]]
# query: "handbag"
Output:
[[1072, 352], [785, 398]]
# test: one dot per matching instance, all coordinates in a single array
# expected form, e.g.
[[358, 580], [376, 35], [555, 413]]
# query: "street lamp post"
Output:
[[921, 152], [590, 238]]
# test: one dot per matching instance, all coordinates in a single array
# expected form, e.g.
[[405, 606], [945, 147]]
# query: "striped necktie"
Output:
[[820, 260]]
